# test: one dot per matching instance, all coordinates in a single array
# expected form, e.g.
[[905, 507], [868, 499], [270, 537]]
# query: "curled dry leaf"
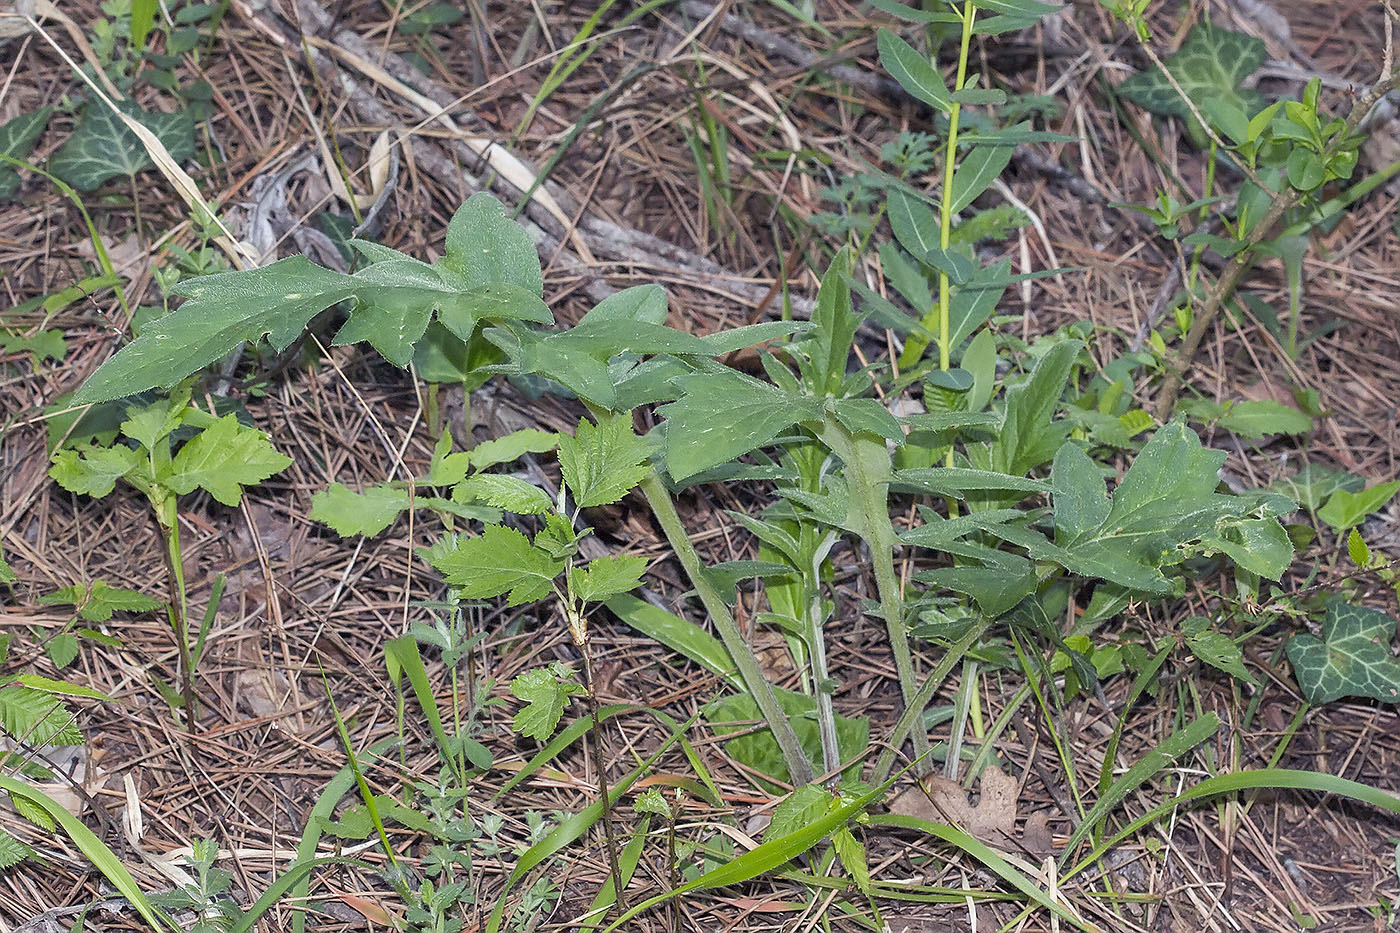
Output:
[[992, 820]]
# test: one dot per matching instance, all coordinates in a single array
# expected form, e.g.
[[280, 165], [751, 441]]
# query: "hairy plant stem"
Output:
[[1240, 263], [868, 473], [659, 498], [826, 712]]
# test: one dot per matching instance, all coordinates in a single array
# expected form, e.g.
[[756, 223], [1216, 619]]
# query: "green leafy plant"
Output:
[[218, 455], [1287, 151], [1011, 516]]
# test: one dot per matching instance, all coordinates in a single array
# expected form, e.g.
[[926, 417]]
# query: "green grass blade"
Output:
[[324, 808], [1144, 678], [575, 826], [1275, 778], [298, 874], [404, 652], [627, 861], [1167, 751], [984, 854], [762, 859], [96, 851]]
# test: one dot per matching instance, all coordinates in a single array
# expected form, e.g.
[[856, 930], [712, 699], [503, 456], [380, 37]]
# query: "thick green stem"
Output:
[[762, 692], [867, 484]]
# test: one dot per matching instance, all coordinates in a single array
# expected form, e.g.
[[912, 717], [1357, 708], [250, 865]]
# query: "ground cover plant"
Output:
[[988, 569]]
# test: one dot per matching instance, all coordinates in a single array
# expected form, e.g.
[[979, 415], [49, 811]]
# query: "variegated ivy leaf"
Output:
[[1209, 67], [1352, 658], [102, 147]]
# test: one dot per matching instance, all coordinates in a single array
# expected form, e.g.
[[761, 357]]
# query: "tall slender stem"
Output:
[[945, 206], [601, 765], [168, 520], [799, 768]]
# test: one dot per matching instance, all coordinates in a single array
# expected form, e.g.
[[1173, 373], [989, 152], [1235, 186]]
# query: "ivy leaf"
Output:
[[501, 560], [1209, 67], [503, 492], [358, 513], [17, 140], [222, 459], [724, 415], [1352, 658], [102, 148], [544, 690], [602, 462], [607, 577], [93, 471]]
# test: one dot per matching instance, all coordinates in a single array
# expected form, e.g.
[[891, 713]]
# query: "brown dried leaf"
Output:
[[992, 820]]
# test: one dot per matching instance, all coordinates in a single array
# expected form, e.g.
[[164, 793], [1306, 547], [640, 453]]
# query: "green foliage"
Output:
[[500, 560], [759, 751], [12, 851], [1209, 67], [545, 690], [221, 457], [102, 147], [37, 717], [606, 577], [1345, 509], [394, 297], [601, 463], [358, 513], [207, 894], [17, 139], [1217, 649], [1352, 658]]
